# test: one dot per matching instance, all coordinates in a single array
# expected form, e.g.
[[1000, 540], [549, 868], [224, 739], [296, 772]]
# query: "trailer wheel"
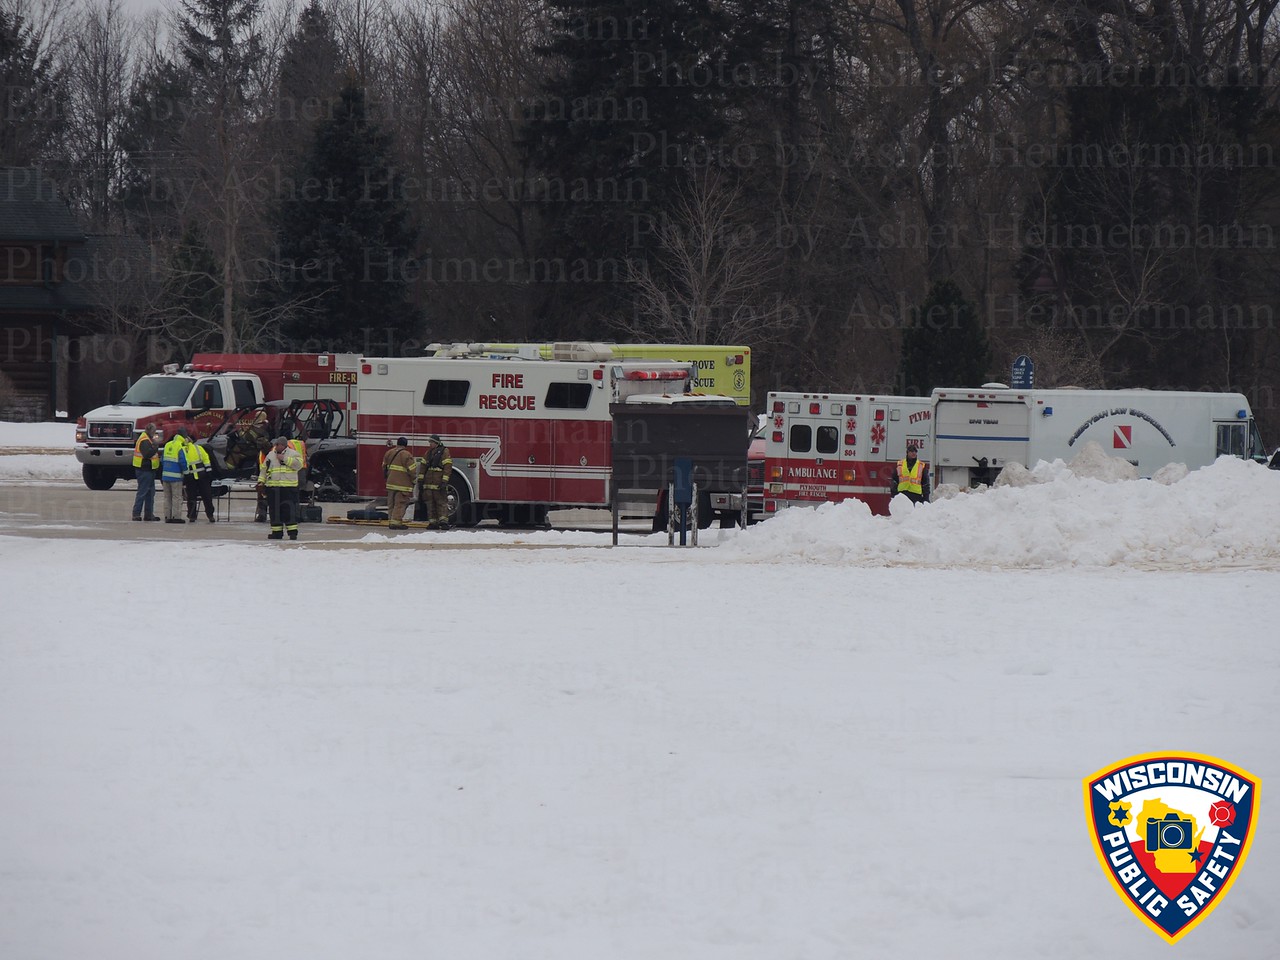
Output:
[[98, 478], [462, 512]]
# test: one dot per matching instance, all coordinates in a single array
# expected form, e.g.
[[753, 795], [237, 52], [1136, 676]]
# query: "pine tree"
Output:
[[345, 239], [944, 344], [31, 93], [311, 74], [632, 105]]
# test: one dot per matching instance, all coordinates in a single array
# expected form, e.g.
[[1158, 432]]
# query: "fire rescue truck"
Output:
[[206, 394], [827, 447], [526, 435], [980, 431], [721, 370]]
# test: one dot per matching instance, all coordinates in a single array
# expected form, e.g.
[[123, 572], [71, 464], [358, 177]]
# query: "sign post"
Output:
[[1024, 373]]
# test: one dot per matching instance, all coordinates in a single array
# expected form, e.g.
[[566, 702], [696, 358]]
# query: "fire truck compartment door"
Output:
[[525, 467], [995, 430], [395, 410]]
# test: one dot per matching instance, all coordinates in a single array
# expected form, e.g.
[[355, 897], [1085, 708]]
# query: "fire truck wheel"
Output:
[[98, 478], [462, 512]]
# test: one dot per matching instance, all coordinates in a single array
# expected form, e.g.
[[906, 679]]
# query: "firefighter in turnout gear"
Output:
[[434, 475], [278, 478], [911, 477], [398, 470]]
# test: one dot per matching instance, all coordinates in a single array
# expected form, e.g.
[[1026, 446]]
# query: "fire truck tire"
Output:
[[462, 512], [98, 478]]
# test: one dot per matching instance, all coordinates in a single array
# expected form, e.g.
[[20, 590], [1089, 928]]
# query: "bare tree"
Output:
[[711, 276], [99, 79]]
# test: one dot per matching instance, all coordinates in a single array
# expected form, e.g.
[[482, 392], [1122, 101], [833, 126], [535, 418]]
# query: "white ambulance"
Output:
[[827, 447], [526, 435], [979, 431]]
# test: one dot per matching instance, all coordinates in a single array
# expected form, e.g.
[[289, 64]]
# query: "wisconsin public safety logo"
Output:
[[1171, 832]]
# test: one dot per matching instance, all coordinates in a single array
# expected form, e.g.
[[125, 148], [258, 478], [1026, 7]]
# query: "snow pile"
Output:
[[1091, 462], [1222, 514]]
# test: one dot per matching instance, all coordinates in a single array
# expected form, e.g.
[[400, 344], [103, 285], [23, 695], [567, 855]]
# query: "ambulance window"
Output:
[[1230, 439], [245, 397], [567, 396], [446, 393], [828, 439], [801, 438]]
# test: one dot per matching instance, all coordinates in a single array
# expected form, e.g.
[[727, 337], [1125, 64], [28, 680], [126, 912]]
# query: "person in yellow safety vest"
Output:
[[398, 468], [198, 481], [173, 465], [912, 477], [146, 464], [278, 478], [300, 446], [434, 472]]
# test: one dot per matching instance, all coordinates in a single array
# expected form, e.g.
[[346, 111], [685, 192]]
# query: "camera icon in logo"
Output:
[[1171, 833]]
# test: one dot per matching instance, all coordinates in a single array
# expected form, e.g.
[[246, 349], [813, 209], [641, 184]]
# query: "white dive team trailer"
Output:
[[977, 432]]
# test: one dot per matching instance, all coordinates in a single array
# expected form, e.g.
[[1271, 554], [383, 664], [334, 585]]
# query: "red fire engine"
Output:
[[526, 435]]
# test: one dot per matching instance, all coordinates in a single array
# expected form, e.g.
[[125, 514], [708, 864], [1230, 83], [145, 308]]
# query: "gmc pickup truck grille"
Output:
[[111, 431]]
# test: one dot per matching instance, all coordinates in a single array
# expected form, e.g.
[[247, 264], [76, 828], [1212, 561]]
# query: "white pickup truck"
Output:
[[195, 399]]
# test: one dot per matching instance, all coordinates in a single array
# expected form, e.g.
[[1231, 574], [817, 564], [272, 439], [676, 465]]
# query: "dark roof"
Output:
[[100, 271], [31, 209]]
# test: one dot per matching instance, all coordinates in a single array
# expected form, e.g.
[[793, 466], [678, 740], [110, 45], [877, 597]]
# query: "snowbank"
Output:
[[1225, 514]]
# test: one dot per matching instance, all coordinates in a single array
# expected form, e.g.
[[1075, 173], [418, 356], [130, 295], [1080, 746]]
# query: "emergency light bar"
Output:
[[655, 375]]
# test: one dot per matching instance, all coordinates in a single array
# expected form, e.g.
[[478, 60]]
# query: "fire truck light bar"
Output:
[[656, 375]]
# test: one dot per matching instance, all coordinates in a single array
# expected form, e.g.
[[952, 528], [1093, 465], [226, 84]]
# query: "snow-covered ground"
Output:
[[831, 736], [18, 462]]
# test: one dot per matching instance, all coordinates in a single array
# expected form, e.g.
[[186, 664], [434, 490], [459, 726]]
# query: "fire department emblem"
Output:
[[1171, 832]]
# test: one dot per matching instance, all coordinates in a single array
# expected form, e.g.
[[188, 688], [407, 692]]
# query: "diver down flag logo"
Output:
[[1122, 438], [1171, 831]]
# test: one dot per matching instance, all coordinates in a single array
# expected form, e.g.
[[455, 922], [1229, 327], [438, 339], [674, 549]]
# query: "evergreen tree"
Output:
[[311, 75], [633, 103], [944, 344], [345, 238], [31, 94]]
